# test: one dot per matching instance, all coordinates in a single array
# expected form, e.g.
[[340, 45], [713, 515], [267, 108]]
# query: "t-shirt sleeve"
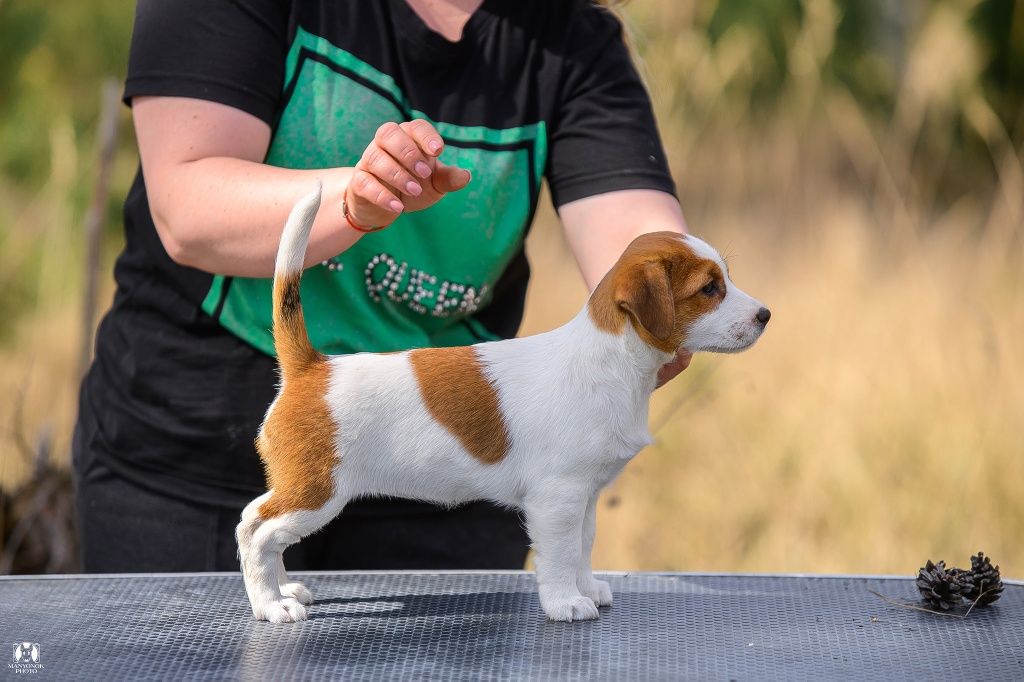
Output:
[[603, 136], [226, 51]]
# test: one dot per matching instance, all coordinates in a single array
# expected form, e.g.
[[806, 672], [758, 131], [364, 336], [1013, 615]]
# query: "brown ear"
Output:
[[646, 294]]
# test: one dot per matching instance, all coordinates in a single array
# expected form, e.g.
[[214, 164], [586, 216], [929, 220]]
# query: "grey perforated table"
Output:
[[477, 626]]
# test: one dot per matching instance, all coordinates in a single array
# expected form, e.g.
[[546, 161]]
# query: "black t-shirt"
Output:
[[184, 367]]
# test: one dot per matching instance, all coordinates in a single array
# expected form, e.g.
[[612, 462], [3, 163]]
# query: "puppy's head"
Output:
[[676, 293]]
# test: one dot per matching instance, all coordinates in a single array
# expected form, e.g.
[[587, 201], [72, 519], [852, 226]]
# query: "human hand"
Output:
[[399, 171], [671, 369]]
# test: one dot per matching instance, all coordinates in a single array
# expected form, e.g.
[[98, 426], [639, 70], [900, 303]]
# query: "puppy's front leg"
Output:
[[599, 591], [555, 523]]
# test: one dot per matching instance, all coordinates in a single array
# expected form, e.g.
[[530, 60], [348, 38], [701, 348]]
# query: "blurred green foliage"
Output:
[[914, 70], [938, 85], [1001, 25], [870, 44], [53, 56]]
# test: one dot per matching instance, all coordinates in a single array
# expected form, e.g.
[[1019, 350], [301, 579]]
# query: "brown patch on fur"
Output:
[[656, 285], [297, 439], [297, 444], [462, 399]]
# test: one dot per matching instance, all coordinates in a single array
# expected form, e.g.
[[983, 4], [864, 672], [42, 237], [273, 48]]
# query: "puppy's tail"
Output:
[[291, 340]]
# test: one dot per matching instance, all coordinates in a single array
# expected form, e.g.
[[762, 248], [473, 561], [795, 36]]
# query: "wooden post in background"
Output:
[[106, 137]]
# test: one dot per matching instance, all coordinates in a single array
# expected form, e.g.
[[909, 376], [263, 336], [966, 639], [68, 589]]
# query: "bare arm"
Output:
[[599, 228], [219, 208], [216, 205]]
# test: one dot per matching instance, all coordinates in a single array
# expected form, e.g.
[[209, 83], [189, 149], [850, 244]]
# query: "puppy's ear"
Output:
[[646, 294]]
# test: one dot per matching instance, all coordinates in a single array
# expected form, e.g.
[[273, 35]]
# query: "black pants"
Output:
[[128, 528]]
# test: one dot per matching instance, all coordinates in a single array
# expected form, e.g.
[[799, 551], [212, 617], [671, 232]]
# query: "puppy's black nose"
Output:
[[763, 315]]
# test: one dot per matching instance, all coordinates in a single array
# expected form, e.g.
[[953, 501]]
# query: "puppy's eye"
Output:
[[710, 288]]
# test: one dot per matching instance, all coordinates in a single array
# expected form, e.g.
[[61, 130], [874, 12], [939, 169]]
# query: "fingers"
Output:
[[382, 166], [399, 171], [674, 367], [442, 178], [449, 178], [424, 135], [403, 155], [369, 192], [393, 157]]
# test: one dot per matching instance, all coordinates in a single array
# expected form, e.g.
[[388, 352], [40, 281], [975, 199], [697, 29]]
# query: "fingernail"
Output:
[[396, 206], [422, 169], [434, 146], [413, 188]]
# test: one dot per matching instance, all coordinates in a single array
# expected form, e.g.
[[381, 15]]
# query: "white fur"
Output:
[[292, 252], [575, 403], [733, 325]]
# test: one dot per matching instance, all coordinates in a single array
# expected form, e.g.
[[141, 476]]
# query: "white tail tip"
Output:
[[292, 252]]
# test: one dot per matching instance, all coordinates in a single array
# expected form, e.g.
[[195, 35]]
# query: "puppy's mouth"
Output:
[[741, 344], [724, 349]]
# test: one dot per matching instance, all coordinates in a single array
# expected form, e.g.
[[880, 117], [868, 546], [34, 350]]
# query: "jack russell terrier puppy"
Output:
[[541, 423]]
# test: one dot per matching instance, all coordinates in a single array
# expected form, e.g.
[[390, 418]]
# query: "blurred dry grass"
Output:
[[877, 423], [880, 420]]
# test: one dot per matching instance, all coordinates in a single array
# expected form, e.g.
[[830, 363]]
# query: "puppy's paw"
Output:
[[286, 610], [598, 591], [298, 592], [568, 609]]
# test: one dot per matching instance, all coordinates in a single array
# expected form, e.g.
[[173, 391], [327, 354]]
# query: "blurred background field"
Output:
[[860, 163]]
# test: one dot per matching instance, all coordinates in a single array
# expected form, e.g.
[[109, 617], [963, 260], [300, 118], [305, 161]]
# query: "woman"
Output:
[[431, 124]]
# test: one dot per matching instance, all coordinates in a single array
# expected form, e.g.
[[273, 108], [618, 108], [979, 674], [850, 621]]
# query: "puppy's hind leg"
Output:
[[262, 565], [244, 532], [554, 520], [289, 588]]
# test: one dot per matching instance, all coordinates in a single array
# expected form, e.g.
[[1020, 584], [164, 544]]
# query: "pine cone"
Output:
[[939, 588], [985, 584], [965, 578]]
